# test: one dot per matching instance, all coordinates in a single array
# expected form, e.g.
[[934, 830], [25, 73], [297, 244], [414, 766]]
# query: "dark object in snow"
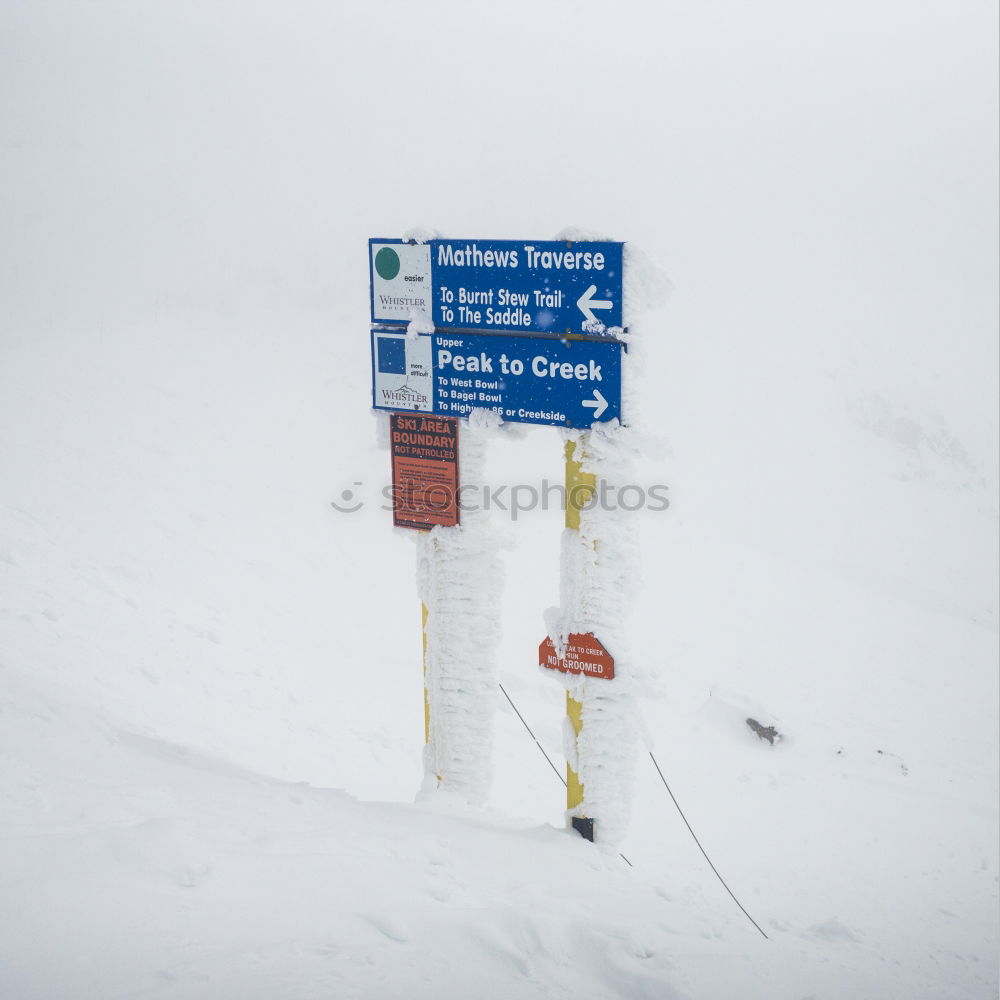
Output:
[[902, 766], [768, 733]]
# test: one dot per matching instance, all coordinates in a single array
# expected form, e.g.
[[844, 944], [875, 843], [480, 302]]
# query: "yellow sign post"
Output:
[[459, 577], [427, 700], [580, 487]]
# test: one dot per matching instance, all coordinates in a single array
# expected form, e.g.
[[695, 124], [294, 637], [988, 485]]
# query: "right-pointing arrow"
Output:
[[586, 303], [598, 403]]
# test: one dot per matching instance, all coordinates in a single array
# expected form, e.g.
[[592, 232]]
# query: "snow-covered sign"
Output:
[[584, 654], [533, 380], [529, 286]]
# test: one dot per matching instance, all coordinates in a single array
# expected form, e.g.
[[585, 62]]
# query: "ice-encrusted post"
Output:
[[598, 582], [459, 580], [599, 579], [580, 488]]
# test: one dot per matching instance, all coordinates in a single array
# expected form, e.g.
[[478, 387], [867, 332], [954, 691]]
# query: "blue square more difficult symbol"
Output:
[[392, 355]]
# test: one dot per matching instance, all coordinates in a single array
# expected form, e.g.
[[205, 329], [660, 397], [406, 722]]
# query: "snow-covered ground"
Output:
[[211, 709]]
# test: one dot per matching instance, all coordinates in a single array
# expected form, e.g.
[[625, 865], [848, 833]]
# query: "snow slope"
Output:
[[211, 716]]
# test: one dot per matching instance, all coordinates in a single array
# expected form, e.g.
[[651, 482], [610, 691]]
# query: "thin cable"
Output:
[[702, 849], [545, 755], [535, 738]]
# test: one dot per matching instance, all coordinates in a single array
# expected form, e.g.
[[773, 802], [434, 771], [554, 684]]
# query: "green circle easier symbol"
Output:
[[387, 263]]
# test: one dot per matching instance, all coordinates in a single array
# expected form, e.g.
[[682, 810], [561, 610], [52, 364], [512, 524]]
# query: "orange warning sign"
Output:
[[424, 470], [584, 655]]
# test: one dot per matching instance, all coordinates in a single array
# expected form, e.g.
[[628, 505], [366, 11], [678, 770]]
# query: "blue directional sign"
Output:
[[523, 286], [532, 380]]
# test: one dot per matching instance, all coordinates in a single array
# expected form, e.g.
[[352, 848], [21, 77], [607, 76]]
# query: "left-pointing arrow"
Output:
[[599, 404], [586, 303]]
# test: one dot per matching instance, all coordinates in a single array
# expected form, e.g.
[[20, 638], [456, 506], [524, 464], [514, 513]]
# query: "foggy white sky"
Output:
[[818, 179]]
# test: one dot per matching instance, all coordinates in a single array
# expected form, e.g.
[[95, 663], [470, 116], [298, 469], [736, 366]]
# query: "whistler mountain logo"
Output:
[[404, 396]]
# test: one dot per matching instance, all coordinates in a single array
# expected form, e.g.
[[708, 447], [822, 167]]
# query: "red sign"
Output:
[[584, 655], [424, 470]]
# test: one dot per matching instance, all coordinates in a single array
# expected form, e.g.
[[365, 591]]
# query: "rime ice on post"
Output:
[[459, 579], [599, 578]]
